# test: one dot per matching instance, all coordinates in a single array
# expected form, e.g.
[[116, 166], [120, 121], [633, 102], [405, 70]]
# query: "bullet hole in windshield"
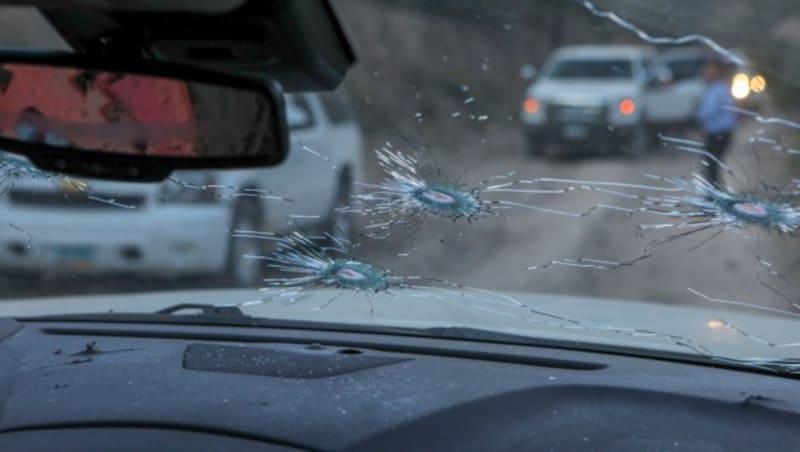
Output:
[[310, 265]]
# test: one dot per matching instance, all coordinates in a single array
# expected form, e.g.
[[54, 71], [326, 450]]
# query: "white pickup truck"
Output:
[[589, 98], [173, 229], [606, 98]]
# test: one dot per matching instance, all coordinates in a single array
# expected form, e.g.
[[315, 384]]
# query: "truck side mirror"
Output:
[[661, 77], [527, 72]]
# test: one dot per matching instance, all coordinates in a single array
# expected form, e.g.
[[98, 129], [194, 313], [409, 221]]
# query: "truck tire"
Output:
[[639, 142], [17, 281], [533, 146], [340, 224], [240, 271]]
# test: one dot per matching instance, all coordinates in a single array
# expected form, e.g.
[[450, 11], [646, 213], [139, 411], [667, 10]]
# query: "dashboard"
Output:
[[86, 386]]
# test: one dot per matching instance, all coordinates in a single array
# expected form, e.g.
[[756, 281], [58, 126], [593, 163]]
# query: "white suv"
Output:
[[589, 97], [172, 229]]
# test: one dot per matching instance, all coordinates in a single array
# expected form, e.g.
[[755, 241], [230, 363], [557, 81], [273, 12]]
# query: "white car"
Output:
[[183, 226], [589, 97]]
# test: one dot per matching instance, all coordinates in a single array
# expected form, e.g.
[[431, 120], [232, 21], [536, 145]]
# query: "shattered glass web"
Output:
[[13, 169], [697, 204], [407, 194], [413, 190], [323, 262]]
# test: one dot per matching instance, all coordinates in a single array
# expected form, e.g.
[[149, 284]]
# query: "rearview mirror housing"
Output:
[[136, 120]]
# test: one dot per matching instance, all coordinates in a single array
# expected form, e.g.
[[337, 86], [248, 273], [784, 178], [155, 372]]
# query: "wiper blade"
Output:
[[206, 310], [208, 314], [786, 366]]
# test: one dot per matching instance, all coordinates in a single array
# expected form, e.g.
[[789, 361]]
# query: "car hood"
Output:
[[583, 91], [644, 325]]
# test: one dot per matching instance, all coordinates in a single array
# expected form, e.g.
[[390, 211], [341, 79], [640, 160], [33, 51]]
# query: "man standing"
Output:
[[717, 121]]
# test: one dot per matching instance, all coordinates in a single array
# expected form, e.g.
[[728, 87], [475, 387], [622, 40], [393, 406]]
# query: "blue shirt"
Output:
[[712, 114]]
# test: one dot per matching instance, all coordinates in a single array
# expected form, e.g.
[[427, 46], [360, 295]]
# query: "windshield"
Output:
[[448, 182], [591, 69]]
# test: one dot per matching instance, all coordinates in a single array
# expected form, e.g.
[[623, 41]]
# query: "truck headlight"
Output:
[[626, 107], [758, 84], [531, 105], [624, 111], [740, 86]]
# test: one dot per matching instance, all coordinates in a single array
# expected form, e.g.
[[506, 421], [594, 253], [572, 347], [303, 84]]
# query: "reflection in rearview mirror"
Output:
[[144, 115]]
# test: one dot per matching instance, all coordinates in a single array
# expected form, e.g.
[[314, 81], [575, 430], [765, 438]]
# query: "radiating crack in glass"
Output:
[[767, 267], [305, 148], [774, 145], [662, 40], [28, 235], [785, 366], [413, 189], [14, 169], [765, 119], [323, 261], [769, 343], [743, 304], [764, 267], [220, 191], [691, 204], [309, 263]]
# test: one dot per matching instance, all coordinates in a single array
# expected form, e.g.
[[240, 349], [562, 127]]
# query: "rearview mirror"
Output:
[[135, 120]]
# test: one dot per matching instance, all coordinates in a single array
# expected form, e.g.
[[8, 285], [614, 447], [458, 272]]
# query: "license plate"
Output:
[[574, 131], [72, 257]]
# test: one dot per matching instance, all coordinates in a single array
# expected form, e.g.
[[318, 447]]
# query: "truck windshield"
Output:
[[620, 69], [687, 68]]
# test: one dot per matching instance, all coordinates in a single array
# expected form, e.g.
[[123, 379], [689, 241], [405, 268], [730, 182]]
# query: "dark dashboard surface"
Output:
[[96, 386]]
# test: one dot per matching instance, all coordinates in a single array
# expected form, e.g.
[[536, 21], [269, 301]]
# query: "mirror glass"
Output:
[[125, 113]]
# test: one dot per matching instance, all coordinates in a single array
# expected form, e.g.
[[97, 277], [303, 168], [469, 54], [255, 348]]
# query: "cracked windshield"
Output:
[[612, 172]]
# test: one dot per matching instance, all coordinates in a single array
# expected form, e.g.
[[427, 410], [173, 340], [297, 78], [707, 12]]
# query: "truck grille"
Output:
[[582, 114], [54, 199]]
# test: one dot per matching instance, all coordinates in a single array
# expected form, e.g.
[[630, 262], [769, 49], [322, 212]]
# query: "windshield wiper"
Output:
[[208, 314], [789, 367], [206, 310], [211, 315]]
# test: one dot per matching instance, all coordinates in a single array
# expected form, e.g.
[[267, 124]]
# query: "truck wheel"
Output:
[[20, 282], [340, 224], [533, 146], [241, 271], [639, 142]]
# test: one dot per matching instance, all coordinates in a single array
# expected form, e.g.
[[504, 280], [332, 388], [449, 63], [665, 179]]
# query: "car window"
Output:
[[578, 68]]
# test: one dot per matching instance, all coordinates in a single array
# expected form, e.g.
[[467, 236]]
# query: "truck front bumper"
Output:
[[170, 240]]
